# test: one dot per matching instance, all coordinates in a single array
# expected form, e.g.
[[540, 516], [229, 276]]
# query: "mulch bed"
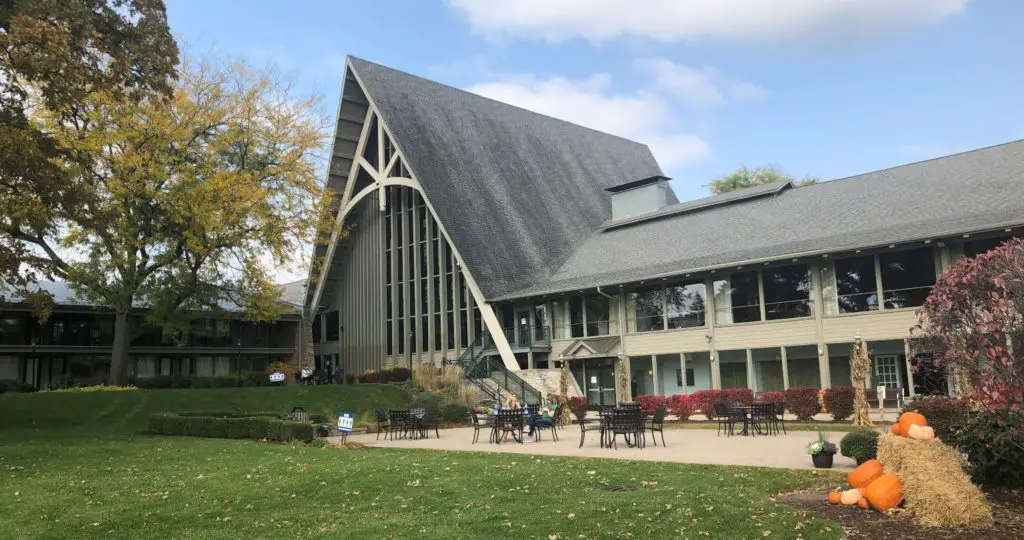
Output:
[[1007, 509]]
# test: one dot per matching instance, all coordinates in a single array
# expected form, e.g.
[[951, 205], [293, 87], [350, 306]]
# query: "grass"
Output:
[[76, 466]]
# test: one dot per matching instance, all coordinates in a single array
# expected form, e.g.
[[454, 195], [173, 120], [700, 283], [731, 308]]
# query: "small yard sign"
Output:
[[277, 376], [345, 422]]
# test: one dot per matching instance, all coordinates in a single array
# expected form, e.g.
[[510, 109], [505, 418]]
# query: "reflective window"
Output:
[[648, 308], [576, 316], [787, 292], [598, 313], [333, 326], [737, 299], [855, 284], [685, 305], [907, 277]]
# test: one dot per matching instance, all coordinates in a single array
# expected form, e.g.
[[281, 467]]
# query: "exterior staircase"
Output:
[[489, 374]]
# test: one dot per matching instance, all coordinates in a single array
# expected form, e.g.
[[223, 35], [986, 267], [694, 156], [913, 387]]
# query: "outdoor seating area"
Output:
[[753, 419], [412, 423]]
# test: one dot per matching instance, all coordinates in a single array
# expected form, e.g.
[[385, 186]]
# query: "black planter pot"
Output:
[[822, 460]]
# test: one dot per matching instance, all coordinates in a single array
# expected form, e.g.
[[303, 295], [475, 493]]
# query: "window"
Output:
[[145, 367], [649, 308], [855, 284], [907, 277], [389, 338], [689, 377], [685, 304], [9, 367], [333, 326], [973, 248], [737, 299], [576, 317], [598, 315], [13, 329], [787, 292]]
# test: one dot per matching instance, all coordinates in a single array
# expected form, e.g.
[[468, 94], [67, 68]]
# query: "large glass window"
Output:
[[855, 284], [737, 299], [576, 317], [317, 330], [685, 304], [973, 248], [648, 308], [333, 326], [787, 292], [598, 312], [13, 330], [907, 277]]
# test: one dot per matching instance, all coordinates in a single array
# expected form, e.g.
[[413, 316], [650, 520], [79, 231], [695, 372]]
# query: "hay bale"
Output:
[[935, 487]]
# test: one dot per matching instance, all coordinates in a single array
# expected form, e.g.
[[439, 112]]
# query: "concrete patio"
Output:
[[684, 446]]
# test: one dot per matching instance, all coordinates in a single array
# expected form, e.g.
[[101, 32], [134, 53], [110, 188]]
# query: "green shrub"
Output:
[[945, 415], [454, 413], [994, 444], [220, 381], [162, 381], [254, 426], [181, 382], [428, 401], [860, 445], [16, 386]]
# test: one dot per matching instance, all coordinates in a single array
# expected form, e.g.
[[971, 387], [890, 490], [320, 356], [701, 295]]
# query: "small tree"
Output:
[[745, 177], [972, 324]]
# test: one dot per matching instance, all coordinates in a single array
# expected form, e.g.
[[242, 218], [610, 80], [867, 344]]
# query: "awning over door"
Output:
[[601, 347]]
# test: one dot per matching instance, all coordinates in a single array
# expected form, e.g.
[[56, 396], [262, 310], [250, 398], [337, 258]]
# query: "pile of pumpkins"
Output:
[[914, 426], [872, 487]]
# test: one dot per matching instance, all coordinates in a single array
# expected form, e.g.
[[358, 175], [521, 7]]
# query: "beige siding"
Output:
[[767, 334], [870, 326], [359, 291], [672, 341]]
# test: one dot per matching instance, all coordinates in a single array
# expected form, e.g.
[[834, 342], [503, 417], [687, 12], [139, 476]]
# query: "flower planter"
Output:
[[822, 460]]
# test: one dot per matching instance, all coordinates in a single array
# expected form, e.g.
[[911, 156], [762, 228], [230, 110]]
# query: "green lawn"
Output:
[[91, 474]]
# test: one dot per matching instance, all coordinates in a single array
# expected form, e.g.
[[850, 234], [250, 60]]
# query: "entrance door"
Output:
[[887, 370], [523, 321], [601, 385]]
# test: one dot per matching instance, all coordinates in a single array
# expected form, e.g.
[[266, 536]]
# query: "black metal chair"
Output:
[[628, 422], [725, 418], [779, 418], [657, 424], [426, 422], [509, 421], [762, 418], [383, 422], [400, 423], [552, 427], [479, 424], [592, 424]]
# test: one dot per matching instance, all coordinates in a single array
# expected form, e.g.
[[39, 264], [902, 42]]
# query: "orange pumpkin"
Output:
[[908, 419], [850, 497], [863, 503], [885, 492], [895, 429], [864, 473], [833, 497]]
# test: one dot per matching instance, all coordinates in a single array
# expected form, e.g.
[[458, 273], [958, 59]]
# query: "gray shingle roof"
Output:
[[973, 191], [517, 191]]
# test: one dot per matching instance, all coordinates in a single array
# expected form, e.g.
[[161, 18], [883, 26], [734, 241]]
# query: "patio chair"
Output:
[[509, 421], [426, 422], [400, 423], [628, 422], [762, 418], [478, 424], [780, 416], [383, 422], [725, 417], [552, 427], [657, 424], [592, 424]]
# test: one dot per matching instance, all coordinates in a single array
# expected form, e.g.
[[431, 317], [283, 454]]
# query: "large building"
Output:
[[73, 346], [463, 221]]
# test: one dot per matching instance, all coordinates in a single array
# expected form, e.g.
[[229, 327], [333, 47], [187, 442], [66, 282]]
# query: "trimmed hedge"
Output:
[[253, 378], [803, 402], [230, 425], [860, 445]]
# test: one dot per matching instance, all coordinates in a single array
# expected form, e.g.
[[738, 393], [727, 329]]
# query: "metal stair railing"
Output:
[[478, 366]]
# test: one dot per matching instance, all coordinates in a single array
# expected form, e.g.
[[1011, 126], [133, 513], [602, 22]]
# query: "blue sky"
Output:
[[826, 88]]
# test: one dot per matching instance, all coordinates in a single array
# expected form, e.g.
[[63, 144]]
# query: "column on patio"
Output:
[[642, 376], [840, 365], [802, 361], [768, 370], [733, 368]]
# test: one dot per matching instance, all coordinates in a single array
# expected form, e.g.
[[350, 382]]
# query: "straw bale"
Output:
[[935, 487]]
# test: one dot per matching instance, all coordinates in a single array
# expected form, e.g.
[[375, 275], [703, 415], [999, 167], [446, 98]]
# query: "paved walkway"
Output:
[[684, 446]]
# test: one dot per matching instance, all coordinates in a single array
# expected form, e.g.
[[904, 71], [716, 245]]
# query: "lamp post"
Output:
[[238, 360]]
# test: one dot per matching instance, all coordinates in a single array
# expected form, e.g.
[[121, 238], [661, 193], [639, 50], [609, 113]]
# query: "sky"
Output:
[[823, 88]]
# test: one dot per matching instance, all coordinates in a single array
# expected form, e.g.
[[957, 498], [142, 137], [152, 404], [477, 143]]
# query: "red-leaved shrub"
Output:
[[803, 402], [839, 402], [578, 405], [681, 406], [771, 396], [649, 403], [703, 401], [744, 396]]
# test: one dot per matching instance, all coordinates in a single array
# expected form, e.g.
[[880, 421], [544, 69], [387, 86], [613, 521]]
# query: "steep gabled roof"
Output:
[[516, 191], [969, 192]]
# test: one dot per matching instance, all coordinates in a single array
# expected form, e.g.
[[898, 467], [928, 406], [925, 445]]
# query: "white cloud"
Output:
[[641, 116], [674, 20], [697, 87]]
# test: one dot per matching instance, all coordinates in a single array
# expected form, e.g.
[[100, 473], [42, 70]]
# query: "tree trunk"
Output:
[[625, 391], [122, 338], [861, 366]]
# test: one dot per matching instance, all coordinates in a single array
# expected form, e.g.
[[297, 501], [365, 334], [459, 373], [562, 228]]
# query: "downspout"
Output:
[[606, 295]]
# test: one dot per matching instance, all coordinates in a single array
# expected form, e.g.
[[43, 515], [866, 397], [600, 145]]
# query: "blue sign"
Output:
[[345, 422]]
